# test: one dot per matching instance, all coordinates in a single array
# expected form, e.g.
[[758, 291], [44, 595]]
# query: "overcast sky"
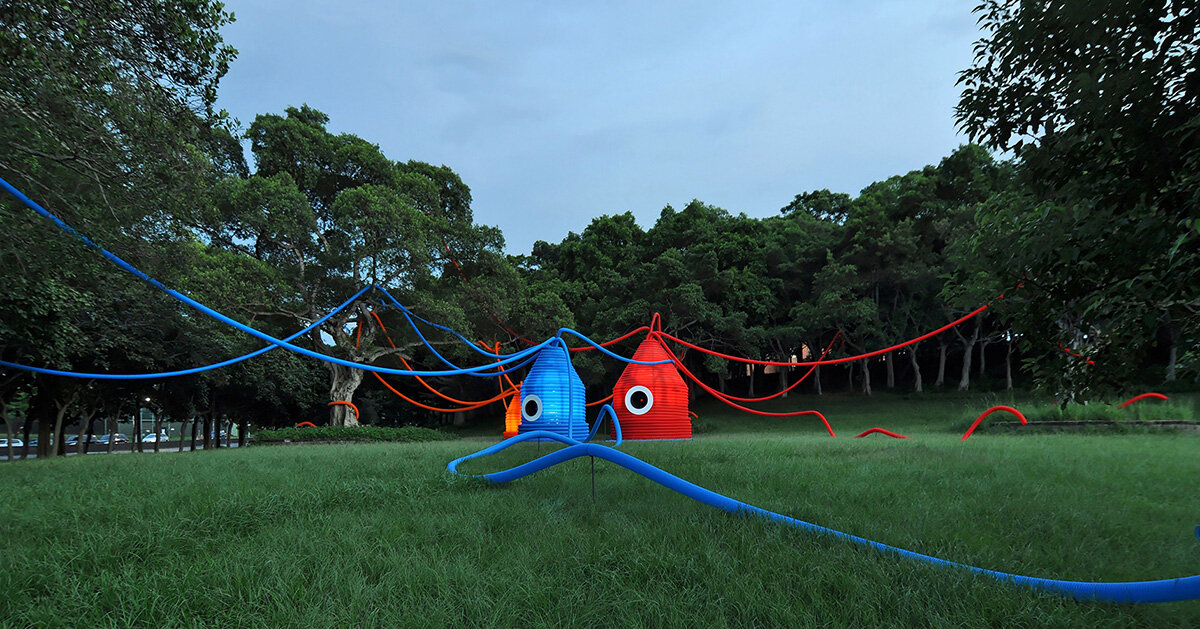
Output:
[[554, 113]]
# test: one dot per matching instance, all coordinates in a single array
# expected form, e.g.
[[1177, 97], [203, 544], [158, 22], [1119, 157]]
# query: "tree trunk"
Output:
[[41, 410], [217, 426], [1008, 367], [751, 368], [8, 429], [157, 429], [60, 444], [242, 433], [136, 444], [912, 358], [891, 371], [850, 377], [91, 432], [783, 380], [344, 381], [817, 376], [941, 377], [195, 424], [983, 357], [84, 442], [112, 426], [25, 428], [721, 378], [1172, 354], [82, 436], [964, 384], [45, 439], [206, 438], [866, 371]]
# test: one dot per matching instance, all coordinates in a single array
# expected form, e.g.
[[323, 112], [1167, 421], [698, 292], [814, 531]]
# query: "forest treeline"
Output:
[[1088, 224]]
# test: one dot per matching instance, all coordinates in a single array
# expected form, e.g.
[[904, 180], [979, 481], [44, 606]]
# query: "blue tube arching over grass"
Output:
[[1158, 591]]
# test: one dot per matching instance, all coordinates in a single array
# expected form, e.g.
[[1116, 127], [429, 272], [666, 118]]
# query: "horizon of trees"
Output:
[[1091, 231]]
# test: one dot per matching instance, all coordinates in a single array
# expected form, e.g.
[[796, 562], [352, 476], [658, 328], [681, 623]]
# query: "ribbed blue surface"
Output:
[[553, 379]]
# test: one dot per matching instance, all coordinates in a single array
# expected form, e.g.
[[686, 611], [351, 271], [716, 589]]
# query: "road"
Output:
[[122, 448]]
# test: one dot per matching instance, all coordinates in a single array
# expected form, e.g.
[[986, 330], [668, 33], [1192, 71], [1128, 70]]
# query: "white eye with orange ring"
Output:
[[639, 400], [531, 408]]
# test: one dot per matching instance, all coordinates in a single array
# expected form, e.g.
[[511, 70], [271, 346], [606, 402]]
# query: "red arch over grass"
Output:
[[882, 431], [1157, 396], [306, 424], [991, 410]]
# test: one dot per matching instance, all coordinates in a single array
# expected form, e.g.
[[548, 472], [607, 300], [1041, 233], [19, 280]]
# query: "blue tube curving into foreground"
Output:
[[1159, 591]]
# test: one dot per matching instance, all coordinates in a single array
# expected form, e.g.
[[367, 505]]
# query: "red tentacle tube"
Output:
[[723, 398], [794, 384], [991, 410], [833, 361], [1157, 396], [306, 424], [882, 431], [350, 404]]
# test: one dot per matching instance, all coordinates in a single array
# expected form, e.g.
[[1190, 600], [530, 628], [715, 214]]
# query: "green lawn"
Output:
[[380, 535]]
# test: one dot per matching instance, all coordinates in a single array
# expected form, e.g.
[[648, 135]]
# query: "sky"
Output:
[[555, 113]]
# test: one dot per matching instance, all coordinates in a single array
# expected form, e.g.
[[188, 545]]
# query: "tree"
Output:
[[1101, 105], [329, 214], [107, 110], [108, 104]]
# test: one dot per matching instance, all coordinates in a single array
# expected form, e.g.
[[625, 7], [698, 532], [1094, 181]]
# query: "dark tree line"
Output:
[[1090, 229]]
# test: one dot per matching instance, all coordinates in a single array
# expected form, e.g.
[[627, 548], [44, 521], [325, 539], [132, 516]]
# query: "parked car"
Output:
[[16, 443], [74, 439], [115, 438], [151, 437]]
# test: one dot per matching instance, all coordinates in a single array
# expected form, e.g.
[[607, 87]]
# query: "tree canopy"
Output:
[[1078, 203]]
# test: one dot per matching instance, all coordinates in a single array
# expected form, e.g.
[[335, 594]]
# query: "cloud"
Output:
[[554, 114]]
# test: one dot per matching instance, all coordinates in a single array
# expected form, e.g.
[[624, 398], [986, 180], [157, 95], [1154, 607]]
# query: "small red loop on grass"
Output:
[[1157, 396], [989, 412], [882, 431], [306, 424]]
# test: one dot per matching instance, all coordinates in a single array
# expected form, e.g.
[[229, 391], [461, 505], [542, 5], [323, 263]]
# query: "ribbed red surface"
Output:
[[668, 417]]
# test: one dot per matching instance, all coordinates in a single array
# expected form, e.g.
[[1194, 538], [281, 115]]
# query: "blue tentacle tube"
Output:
[[475, 347], [1157, 591], [136, 272], [407, 313], [607, 409], [193, 370], [538, 434], [436, 353], [605, 350]]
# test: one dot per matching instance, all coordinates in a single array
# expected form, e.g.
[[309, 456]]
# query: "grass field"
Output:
[[380, 535]]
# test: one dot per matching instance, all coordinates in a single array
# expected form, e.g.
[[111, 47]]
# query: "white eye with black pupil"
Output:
[[639, 400], [531, 408]]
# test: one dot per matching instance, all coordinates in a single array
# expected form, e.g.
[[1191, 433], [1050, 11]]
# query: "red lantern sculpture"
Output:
[[652, 400]]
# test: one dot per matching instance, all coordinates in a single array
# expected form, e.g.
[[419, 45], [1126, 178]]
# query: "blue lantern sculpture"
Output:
[[552, 396]]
